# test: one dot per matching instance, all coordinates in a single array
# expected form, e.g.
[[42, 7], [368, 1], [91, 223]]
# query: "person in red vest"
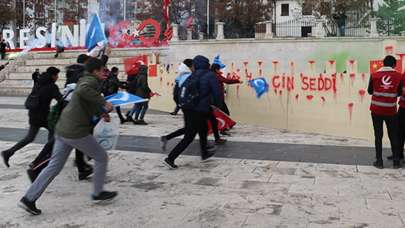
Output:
[[401, 117], [385, 86]]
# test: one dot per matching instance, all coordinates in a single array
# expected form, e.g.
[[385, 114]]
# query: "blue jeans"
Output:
[[139, 110]]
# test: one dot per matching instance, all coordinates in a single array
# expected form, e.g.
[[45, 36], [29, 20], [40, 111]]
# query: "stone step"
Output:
[[31, 69], [28, 76], [50, 62], [115, 53], [14, 91], [25, 83]]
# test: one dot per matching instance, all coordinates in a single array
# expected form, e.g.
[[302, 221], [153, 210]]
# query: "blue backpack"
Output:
[[189, 92]]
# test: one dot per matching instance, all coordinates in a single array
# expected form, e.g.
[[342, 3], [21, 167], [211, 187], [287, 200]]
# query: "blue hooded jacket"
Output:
[[209, 85]]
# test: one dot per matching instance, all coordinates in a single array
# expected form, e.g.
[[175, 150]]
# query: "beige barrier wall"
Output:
[[316, 86]]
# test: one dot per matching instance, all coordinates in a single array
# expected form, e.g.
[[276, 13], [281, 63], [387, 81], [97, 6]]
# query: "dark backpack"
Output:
[[189, 92], [32, 101]]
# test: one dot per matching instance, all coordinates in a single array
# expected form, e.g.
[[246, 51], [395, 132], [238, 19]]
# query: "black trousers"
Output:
[[43, 158], [214, 126], [224, 108], [176, 109], [118, 110], [176, 133], [401, 131], [29, 138], [392, 127], [3, 55], [195, 122]]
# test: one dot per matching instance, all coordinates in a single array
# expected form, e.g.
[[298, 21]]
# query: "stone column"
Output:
[[373, 27], [175, 36], [220, 30], [319, 30], [200, 35], [189, 33], [269, 30]]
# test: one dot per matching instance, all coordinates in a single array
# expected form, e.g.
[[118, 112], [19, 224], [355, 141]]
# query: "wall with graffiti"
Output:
[[315, 86]]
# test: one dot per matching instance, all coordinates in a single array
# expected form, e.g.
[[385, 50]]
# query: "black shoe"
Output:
[[123, 121], [163, 141], [392, 157], [140, 122], [32, 174], [129, 119], [378, 164], [397, 164], [226, 133], [104, 196], [211, 148], [29, 206], [207, 156], [173, 113], [85, 173], [6, 157], [170, 164], [220, 141]]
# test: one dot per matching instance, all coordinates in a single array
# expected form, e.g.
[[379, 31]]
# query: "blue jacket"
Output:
[[210, 92]]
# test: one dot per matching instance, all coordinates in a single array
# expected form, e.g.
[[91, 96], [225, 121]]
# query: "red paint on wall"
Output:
[[352, 77], [363, 77], [362, 93], [342, 77], [331, 62], [310, 97], [350, 108]]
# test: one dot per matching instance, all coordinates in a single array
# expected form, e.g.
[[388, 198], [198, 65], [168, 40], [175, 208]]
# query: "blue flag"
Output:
[[95, 33], [260, 85], [124, 98]]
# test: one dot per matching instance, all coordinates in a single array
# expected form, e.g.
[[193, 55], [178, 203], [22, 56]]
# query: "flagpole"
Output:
[[208, 19], [125, 10]]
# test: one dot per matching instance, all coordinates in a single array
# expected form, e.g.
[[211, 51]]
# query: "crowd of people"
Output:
[[71, 121], [198, 91]]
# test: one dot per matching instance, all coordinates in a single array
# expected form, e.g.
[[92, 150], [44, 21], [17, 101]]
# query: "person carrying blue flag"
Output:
[[74, 130]]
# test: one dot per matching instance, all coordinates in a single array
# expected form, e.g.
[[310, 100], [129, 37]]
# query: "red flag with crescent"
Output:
[[224, 121]]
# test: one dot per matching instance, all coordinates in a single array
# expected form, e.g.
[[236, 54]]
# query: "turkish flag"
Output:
[[132, 64], [224, 121]]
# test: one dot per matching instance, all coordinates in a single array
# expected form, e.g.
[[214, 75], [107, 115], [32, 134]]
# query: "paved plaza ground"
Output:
[[261, 178]]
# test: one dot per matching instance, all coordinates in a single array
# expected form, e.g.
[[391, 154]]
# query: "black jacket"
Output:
[[75, 72], [210, 91], [138, 85], [111, 85], [47, 90]]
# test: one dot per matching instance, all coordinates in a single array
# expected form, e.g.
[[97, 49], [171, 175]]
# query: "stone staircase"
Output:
[[18, 80]]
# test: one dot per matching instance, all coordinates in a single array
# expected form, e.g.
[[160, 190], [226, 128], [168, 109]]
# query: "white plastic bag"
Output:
[[106, 133]]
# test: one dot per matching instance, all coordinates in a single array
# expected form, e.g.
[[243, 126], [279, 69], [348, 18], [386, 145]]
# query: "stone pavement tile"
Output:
[[214, 211], [386, 207], [316, 189], [291, 179], [263, 220], [249, 171], [357, 210]]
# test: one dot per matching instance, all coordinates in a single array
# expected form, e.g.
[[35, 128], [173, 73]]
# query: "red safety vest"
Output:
[[385, 96], [402, 98]]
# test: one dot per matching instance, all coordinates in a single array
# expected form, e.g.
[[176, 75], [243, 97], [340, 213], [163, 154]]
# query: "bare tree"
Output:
[[6, 13]]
